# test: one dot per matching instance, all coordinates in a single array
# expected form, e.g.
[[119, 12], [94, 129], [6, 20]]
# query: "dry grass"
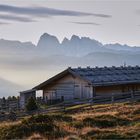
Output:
[[36, 136], [81, 116], [9, 123], [126, 115], [111, 109], [126, 111]]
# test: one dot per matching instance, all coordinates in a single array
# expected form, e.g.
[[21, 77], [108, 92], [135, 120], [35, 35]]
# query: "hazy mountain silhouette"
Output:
[[119, 47], [76, 46], [15, 46], [81, 46], [8, 88], [48, 44]]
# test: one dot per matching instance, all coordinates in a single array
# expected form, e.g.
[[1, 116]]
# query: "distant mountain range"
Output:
[[49, 56], [76, 46]]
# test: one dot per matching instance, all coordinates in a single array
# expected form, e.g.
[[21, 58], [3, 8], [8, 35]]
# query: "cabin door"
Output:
[[77, 91], [86, 91]]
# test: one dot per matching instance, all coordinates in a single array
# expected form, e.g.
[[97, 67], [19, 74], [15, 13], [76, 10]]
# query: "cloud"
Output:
[[86, 23], [16, 18], [137, 11], [45, 11], [4, 23]]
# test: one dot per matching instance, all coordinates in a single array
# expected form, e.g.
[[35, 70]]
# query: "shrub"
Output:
[[136, 118], [105, 121], [38, 119], [60, 117], [136, 111], [24, 130], [98, 122], [77, 124], [99, 134], [138, 101], [31, 105], [37, 124]]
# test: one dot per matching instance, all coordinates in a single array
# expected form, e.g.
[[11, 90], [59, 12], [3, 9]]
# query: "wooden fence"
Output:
[[9, 105], [62, 107]]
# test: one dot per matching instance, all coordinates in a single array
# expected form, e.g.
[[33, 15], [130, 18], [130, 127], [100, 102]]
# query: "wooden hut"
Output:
[[83, 83]]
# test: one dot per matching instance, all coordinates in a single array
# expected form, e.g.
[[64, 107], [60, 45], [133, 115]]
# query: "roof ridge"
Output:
[[88, 67]]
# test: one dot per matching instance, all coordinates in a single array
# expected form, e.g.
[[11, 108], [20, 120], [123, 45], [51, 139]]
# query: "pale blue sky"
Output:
[[107, 21]]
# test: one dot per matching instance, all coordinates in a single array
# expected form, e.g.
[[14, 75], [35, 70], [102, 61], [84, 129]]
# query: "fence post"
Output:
[[64, 107], [112, 98], [91, 103], [132, 95]]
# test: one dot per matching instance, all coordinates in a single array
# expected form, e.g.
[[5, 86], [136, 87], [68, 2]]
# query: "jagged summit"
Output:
[[47, 40], [46, 35], [65, 40], [75, 38]]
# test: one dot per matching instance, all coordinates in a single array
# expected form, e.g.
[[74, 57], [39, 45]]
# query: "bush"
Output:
[[37, 124], [31, 105], [38, 119], [98, 122], [136, 111], [98, 134], [77, 124], [42, 124], [23, 130], [105, 121], [60, 117]]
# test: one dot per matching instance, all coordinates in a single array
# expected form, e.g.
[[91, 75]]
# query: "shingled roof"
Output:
[[109, 75], [101, 76]]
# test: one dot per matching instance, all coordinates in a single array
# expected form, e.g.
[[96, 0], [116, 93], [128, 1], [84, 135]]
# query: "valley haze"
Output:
[[24, 64]]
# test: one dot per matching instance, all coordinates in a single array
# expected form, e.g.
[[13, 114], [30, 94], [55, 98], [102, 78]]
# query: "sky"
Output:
[[116, 21]]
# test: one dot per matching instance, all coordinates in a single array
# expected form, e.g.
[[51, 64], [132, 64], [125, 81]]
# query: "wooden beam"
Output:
[[94, 91]]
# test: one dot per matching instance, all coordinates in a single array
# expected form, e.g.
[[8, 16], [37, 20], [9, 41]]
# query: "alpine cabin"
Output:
[[82, 83]]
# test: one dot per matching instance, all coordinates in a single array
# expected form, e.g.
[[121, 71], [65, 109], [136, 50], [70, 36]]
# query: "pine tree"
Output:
[[31, 104]]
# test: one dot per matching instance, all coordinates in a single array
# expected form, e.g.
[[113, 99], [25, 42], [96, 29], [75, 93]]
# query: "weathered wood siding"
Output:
[[108, 90], [115, 89], [68, 87]]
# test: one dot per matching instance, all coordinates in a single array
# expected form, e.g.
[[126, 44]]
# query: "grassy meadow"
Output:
[[109, 121]]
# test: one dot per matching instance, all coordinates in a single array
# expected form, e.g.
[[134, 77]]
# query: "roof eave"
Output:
[[115, 83], [40, 86], [69, 70]]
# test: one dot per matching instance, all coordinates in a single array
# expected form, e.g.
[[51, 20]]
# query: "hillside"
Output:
[[110, 121]]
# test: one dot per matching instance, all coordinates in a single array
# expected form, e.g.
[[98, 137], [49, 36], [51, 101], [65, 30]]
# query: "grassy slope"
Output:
[[117, 121]]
